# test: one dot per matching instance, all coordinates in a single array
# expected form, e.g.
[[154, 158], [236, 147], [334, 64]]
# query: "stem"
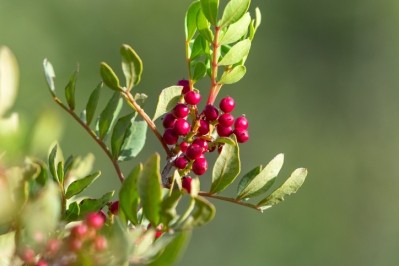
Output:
[[132, 102], [94, 137], [232, 200], [215, 87]]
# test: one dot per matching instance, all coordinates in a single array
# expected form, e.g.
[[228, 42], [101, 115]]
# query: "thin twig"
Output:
[[232, 200]]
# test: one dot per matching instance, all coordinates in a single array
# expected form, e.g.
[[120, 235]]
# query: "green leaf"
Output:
[[118, 133], [234, 75], [248, 177], [226, 168], [237, 53], [92, 103], [7, 247], [204, 212], [199, 71], [168, 207], [60, 172], [203, 26], [50, 75], [150, 189], [134, 140], [109, 115], [72, 213], [94, 205], [264, 180], [199, 47], [52, 163], [236, 30], [234, 10], [190, 20], [210, 10], [9, 79], [109, 77], [81, 184], [258, 18], [128, 195], [168, 98], [70, 90], [290, 186], [225, 140], [132, 66]]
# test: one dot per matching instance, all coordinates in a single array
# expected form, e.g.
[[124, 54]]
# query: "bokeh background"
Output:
[[322, 87]]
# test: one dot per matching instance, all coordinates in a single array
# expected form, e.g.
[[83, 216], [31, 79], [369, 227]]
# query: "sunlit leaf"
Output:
[[109, 115], [247, 178], [264, 180], [70, 90], [236, 30], [150, 189], [109, 77], [210, 10], [7, 247], [132, 66], [168, 207], [81, 184], [234, 75], [168, 98], [9, 78], [290, 186], [204, 212], [226, 168], [233, 11], [118, 133], [203, 26], [190, 20], [92, 103], [238, 52], [50, 75], [128, 195], [134, 140]]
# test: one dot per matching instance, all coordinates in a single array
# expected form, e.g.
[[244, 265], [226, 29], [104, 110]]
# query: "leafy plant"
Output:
[[159, 203]]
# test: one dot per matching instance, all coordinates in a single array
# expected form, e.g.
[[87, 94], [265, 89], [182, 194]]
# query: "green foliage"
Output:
[[167, 100], [132, 66]]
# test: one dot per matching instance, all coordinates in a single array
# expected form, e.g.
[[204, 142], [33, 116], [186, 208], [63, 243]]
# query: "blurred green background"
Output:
[[322, 87]]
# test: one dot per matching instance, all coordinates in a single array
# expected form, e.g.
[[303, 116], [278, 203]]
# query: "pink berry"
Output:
[[114, 207], [186, 85], [194, 151], [53, 245], [169, 120], [202, 142], [203, 128], [183, 146], [241, 123], [28, 255], [186, 183], [181, 127], [242, 135], [170, 137], [100, 243], [226, 119], [200, 166], [227, 104], [41, 262], [211, 113], [181, 110], [192, 97], [79, 231], [75, 244], [224, 131], [95, 220], [181, 162]]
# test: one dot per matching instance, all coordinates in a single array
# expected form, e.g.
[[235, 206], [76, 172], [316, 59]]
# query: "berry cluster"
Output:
[[192, 133]]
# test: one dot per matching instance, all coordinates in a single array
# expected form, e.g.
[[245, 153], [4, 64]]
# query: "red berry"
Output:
[[186, 183], [79, 231], [181, 127], [202, 142], [28, 255], [200, 166], [226, 119], [170, 137], [181, 110], [158, 233], [192, 97], [95, 220], [224, 131], [100, 243], [203, 128], [242, 135], [227, 104], [194, 151], [181, 162], [114, 207], [211, 112], [186, 85], [183, 146], [241, 123], [41, 262], [53, 245], [75, 244], [169, 120]]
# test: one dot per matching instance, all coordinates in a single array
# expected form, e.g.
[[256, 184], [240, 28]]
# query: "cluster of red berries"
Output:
[[192, 133]]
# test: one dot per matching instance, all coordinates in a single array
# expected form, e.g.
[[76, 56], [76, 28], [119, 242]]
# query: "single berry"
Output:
[[200, 166], [100, 243], [168, 120], [53, 245], [186, 85], [194, 151], [181, 127], [226, 119], [114, 207], [75, 244], [192, 97], [181, 110], [170, 137], [183, 146], [186, 183], [202, 142], [242, 135], [227, 104], [79, 231], [158, 233], [181, 162], [203, 128], [241, 123], [211, 112], [28, 255], [41, 262], [224, 131], [95, 220]]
